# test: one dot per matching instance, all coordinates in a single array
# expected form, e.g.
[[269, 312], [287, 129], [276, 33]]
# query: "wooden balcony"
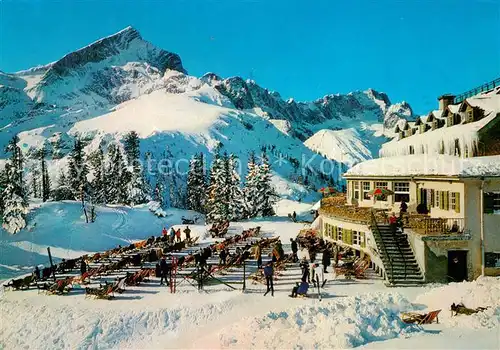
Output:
[[337, 208]]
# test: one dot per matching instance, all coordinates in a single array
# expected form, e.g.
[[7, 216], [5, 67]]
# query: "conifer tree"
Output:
[[138, 190], [119, 176], [217, 203], [196, 186], [15, 205], [78, 170], [45, 175], [237, 204], [251, 186], [266, 194], [35, 185], [97, 163]]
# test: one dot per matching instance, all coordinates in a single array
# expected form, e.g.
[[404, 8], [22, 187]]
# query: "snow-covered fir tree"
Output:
[[251, 186], [218, 191], [77, 170], [35, 184], [45, 190], [237, 204], [15, 205], [98, 184], [118, 176], [138, 189], [196, 185], [266, 194]]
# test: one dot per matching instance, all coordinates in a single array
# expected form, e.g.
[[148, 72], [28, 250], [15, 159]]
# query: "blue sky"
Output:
[[412, 50]]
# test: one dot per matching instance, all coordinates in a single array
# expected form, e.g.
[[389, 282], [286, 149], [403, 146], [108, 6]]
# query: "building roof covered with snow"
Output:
[[425, 165], [455, 130]]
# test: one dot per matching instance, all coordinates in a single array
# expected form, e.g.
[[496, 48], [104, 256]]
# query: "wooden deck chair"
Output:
[[430, 317]]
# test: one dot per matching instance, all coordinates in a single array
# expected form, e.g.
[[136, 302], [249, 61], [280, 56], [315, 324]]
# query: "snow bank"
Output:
[[424, 164], [483, 292], [342, 324]]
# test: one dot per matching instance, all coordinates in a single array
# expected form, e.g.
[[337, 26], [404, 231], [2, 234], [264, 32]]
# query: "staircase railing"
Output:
[[377, 234], [397, 243]]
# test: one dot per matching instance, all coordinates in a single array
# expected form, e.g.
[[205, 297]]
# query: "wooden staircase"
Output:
[[400, 265]]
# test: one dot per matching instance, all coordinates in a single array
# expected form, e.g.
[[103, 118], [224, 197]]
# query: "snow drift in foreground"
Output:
[[346, 323]]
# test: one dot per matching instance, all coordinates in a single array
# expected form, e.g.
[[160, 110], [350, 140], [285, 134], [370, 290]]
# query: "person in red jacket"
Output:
[[393, 223], [164, 232], [178, 235]]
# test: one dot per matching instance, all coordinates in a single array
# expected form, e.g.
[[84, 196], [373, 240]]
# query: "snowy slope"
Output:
[[61, 226], [348, 146]]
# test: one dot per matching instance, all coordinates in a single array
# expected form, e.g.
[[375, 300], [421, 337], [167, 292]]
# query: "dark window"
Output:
[[492, 203]]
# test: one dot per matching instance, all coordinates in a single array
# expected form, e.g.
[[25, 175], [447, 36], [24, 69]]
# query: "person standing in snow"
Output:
[[258, 256], [36, 273], [294, 216], [268, 274], [222, 257], [335, 254], [326, 259], [83, 267], [164, 231], [178, 235], [318, 276], [294, 249], [164, 268], [187, 232], [172, 235]]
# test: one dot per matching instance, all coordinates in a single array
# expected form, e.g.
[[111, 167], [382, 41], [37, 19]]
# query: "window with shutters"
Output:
[[438, 199], [339, 233], [401, 191], [356, 238], [492, 203], [453, 201], [356, 189], [366, 189]]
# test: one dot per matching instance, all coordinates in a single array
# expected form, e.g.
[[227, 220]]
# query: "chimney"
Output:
[[445, 101]]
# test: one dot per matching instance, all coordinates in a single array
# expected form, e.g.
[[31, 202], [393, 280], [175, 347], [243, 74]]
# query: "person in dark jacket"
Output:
[[294, 216], [222, 257], [268, 273], [187, 232], [300, 289], [326, 259], [404, 207], [164, 270], [36, 273], [295, 249], [83, 267]]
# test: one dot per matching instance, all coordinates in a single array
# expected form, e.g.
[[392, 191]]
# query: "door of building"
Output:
[[457, 265]]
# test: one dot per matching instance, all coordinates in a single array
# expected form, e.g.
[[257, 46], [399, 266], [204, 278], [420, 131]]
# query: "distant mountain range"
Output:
[[122, 82]]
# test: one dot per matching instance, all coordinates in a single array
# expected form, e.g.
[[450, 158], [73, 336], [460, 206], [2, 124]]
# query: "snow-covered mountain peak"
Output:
[[92, 75]]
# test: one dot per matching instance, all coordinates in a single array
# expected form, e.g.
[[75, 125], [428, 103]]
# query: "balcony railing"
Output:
[[337, 208]]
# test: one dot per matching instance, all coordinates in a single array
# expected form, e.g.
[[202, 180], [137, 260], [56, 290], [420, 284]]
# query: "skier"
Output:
[[164, 268], [178, 235], [83, 267], [304, 265], [294, 216], [318, 276], [326, 259], [268, 273], [187, 232], [294, 249]]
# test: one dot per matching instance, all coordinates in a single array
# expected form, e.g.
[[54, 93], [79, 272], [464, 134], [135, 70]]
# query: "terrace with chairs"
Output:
[[336, 207]]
